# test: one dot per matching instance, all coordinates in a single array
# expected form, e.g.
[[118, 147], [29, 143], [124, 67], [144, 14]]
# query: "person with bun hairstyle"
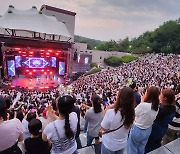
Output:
[[61, 132], [165, 116], [145, 114]]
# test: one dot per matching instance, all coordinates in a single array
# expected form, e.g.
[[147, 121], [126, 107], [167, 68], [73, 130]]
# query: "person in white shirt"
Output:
[[119, 119], [61, 132], [145, 114], [11, 131]]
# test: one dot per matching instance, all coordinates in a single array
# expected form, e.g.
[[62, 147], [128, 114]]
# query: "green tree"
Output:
[[108, 46], [124, 45], [113, 61], [165, 39]]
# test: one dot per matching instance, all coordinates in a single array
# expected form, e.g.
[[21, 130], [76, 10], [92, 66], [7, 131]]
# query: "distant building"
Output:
[[97, 56]]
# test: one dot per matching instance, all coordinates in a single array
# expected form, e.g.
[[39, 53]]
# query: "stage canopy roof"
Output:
[[33, 21]]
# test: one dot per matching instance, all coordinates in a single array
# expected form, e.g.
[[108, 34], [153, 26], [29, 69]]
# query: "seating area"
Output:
[[135, 102], [172, 147]]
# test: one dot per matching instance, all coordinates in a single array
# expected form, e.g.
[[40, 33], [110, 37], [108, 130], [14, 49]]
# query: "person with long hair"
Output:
[[61, 132], [117, 122], [165, 116], [173, 131], [145, 114], [94, 117]]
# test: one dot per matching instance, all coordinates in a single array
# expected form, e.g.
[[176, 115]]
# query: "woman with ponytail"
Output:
[[61, 132]]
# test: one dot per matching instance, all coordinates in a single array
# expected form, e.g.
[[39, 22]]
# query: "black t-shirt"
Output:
[[36, 146], [165, 114]]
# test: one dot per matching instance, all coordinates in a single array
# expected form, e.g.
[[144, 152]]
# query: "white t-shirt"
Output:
[[10, 131], [144, 115], [65, 146], [94, 121], [115, 140]]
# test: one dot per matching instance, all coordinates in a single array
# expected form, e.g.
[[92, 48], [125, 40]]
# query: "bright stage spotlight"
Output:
[[17, 48]]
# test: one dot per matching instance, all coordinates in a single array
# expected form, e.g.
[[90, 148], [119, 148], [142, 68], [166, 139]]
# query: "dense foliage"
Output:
[[113, 61], [128, 58], [93, 65], [117, 61], [165, 39], [94, 70]]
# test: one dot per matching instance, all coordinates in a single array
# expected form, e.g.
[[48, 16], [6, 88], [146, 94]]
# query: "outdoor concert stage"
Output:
[[37, 83]]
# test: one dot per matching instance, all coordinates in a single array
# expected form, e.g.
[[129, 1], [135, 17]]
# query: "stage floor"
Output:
[[41, 82]]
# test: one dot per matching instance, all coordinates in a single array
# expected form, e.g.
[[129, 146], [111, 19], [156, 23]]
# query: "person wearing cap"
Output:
[[11, 131]]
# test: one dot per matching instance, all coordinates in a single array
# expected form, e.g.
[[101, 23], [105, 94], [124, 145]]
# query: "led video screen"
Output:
[[84, 59], [18, 61], [61, 68], [53, 60], [36, 62], [11, 68]]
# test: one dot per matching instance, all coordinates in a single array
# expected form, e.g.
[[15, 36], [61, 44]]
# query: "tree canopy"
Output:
[[166, 38]]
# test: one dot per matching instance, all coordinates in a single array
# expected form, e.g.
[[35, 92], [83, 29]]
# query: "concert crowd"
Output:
[[133, 109]]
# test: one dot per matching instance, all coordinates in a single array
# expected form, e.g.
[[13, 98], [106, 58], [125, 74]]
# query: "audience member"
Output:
[[174, 127], [61, 132], [11, 132], [94, 117], [117, 122], [35, 144], [165, 115], [145, 114]]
